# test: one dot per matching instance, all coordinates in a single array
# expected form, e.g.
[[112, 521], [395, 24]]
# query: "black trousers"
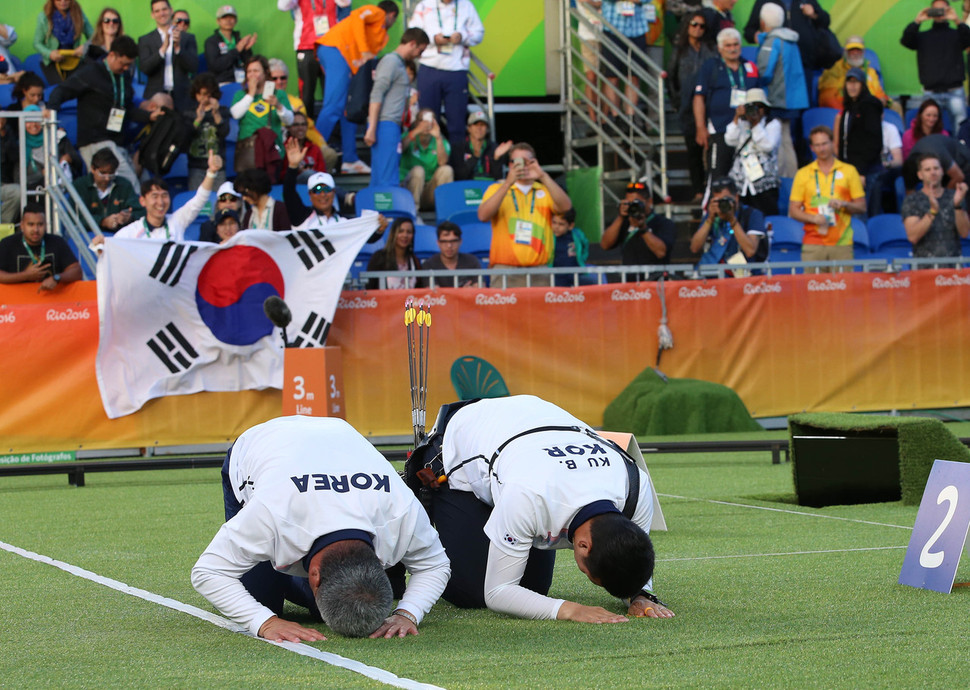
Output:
[[309, 72], [460, 520]]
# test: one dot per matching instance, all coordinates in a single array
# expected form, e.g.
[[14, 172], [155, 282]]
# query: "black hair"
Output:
[[125, 46], [35, 207], [621, 556], [389, 7], [104, 158], [153, 183], [724, 183], [569, 216], [447, 226], [254, 181], [207, 81], [27, 80], [416, 34]]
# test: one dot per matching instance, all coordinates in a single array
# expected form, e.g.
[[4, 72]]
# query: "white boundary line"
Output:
[[783, 510], [377, 674], [783, 553]]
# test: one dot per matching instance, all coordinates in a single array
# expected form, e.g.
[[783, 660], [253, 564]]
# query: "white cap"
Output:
[[756, 96], [227, 188], [320, 178]]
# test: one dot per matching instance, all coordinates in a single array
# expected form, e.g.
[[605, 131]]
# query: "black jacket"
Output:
[[860, 131], [184, 65], [939, 54], [222, 60]]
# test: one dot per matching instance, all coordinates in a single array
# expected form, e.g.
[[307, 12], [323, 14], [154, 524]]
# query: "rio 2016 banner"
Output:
[[849, 342]]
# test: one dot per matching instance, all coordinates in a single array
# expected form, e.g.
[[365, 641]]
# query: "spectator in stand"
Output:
[[209, 125], [572, 248], [690, 52], [935, 218], [168, 56], [8, 36], [590, 36], [105, 102], [858, 137], [387, 106], [33, 256], [312, 19], [29, 90], [805, 18], [717, 17], [315, 159], [721, 85], [953, 155], [729, 228], [780, 67], [111, 200], [227, 225], [633, 21], [424, 160], [453, 27], [928, 120], [227, 199], [824, 195], [520, 210], [482, 159], [324, 209], [10, 198], [645, 238], [109, 27], [939, 55], [450, 258], [262, 212], [343, 50], [226, 50], [832, 81], [259, 107], [160, 225], [279, 73], [755, 136], [396, 255], [59, 37]]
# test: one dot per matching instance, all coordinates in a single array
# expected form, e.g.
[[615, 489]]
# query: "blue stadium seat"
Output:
[[425, 241], [459, 201], [229, 165], [392, 202], [887, 236], [860, 239], [182, 198], [276, 192], [233, 130], [228, 93], [965, 246], [873, 59], [6, 95], [138, 90], [476, 238], [33, 63], [179, 173], [947, 119], [784, 194], [895, 119], [750, 53], [17, 65], [817, 116], [68, 121], [813, 88], [786, 233]]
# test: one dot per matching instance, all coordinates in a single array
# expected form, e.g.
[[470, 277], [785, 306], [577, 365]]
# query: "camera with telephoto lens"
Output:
[[751, 110], [636, 209], [725, 205]]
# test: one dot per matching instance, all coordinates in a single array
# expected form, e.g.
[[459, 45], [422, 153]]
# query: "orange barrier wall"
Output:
[[785, 344]]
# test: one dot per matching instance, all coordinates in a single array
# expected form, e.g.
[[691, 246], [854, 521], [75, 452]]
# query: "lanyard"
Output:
[[43, 250], [818, 190], [441, 22], [118, 84], [730, 74], [532, 208], [149, 228]]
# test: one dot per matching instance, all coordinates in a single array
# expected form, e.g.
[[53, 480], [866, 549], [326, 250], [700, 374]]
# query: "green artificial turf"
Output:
[[775, 598]]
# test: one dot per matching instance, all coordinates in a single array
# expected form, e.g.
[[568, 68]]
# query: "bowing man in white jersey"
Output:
[[314, 515], [525, 477]]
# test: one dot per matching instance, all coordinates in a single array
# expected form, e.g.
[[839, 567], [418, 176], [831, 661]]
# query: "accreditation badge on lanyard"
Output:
[[321, 24], [116, 118], [752, 167], [522, 230]]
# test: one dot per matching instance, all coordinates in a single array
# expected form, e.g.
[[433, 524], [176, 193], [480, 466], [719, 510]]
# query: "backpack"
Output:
[[160, 143], [358, 93]]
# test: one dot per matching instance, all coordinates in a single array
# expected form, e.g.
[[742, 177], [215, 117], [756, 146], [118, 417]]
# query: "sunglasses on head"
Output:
[[111, 20], [321, 189], [227, 197]]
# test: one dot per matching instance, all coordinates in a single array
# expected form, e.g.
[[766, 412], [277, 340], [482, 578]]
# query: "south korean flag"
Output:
[[178, 318]]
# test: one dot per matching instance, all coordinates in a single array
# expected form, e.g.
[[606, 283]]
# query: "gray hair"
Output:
[[725, 34], [354, 596], [772, 16], [277, 64]]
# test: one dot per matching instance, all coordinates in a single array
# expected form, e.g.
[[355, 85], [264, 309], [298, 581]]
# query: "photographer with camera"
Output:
[[729, 229], [939, 54], [645, 238], [755, 137]]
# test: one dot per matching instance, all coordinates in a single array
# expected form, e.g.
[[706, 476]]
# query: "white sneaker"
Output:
[[355, 168]]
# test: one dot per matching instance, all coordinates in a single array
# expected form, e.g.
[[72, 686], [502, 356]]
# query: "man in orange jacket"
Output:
[[342, 51]]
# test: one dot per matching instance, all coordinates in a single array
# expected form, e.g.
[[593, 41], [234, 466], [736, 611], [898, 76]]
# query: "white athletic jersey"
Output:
[[175, 223], [300, 478]]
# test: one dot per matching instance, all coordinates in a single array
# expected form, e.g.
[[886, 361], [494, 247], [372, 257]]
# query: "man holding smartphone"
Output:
[[33, 256], [939, 55]]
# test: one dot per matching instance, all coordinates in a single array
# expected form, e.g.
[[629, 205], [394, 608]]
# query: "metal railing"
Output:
[[640, 151]]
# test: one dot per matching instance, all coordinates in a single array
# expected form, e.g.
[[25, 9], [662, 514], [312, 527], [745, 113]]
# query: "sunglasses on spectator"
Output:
[[321, 189], [182, 21], [228, 197], [111, 20], [279, 77], [698, 24]]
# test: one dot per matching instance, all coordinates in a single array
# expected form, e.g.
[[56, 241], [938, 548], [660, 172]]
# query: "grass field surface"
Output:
[[767, 594]]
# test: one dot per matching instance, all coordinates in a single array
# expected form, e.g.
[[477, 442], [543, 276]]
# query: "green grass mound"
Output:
[[652, 406], [921, 441]]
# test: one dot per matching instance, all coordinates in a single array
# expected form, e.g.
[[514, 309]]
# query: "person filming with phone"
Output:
[[33, 256], [645, 238]]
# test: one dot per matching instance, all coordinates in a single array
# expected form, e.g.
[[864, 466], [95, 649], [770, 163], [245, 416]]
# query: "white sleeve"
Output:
[[183, 217], [287, 5], [474, 29], [504, 594], [232, 553], [425, 559], [11, 36], [766, 138], [732, 135], [239, 108]]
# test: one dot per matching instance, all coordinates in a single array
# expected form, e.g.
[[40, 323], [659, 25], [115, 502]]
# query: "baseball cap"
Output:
[[226, 10], [226, 213], [320, 178], [856, 73], [756, 96], [855, 43], [477, 116], [227, 188]]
